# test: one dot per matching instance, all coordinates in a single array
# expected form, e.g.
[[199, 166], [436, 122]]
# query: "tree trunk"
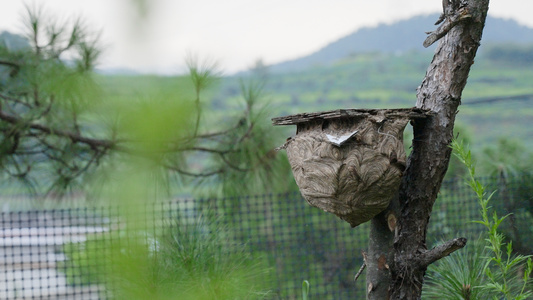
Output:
[[380, 254], [440, 92]]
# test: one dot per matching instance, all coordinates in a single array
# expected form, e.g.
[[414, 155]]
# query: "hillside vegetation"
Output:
[[497, 102]]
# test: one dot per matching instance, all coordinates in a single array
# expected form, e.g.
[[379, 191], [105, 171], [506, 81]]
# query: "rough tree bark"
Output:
[[398, 257]]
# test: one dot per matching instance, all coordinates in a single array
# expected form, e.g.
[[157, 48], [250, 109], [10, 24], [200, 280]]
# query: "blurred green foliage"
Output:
[[184, 260], [506, 157], [129, 145]]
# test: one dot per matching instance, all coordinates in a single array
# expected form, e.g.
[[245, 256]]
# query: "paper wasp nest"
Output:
[[348, 162]]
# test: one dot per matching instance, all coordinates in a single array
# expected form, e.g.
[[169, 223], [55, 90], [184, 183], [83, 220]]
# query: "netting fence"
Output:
[[65, 253]]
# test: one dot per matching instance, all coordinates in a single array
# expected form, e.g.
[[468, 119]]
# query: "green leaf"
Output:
[[529, 268], [305, 290], [517, 260]]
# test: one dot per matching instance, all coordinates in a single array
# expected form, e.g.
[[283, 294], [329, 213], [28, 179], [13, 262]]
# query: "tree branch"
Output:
[[96, 144], [363, 266], [10, 64], [205, 149], [211, 135], [76, 138], [440, 251], [191, 174], [7, 98], [445, 27], [229, 164]]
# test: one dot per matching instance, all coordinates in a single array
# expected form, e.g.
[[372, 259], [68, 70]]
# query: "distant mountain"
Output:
[[13, 42], [401, 36]]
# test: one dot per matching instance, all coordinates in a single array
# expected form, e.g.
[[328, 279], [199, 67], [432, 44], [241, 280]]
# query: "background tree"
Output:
[[58, 124]]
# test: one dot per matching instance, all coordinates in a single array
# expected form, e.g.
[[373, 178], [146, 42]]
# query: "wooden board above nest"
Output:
[[349, 162]]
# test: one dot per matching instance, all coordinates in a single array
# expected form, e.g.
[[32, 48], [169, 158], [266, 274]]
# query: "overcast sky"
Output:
[[234, 32]]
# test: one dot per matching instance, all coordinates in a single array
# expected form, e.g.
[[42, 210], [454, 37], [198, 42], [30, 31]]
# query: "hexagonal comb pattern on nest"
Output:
[[356, 179]]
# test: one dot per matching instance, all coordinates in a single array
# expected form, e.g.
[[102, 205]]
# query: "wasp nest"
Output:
[[348, 162]]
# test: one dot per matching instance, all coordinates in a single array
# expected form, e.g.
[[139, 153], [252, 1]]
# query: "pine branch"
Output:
[[441, 251], [445, 27], [76, 138]]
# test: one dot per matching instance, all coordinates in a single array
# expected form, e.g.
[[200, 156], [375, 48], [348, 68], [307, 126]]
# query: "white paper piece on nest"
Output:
[[339, 140]]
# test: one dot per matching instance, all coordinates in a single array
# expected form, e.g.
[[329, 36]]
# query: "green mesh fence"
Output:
[[65, 254]]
